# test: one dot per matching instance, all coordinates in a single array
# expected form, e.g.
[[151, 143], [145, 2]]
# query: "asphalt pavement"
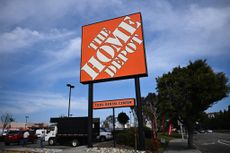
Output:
[[213, 142], [179, 146], [205, 143]]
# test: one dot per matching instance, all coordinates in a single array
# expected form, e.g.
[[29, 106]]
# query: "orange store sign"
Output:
[[129, 102], [113, 49]]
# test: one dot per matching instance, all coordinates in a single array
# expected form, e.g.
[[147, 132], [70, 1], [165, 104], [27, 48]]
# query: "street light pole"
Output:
[[26, 121], [70, 87]]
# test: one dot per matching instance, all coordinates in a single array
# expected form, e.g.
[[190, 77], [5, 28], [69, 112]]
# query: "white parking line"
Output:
[[221, 142], [208, 143]]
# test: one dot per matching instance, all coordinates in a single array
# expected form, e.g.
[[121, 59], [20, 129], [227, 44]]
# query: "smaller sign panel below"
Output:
[[129, 102]]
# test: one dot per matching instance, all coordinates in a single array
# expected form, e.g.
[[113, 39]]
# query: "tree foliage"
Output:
[[149, 106], [108, 122], [123, 118], [149, 113], [188, 91]]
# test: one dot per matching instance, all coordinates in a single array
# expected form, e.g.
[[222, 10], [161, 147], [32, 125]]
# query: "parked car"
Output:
[[15, 136], [104, 135], [209, 131]]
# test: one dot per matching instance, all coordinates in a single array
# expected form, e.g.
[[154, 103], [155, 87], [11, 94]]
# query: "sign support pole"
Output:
[[114, 132], [90, 115], [141, 138]]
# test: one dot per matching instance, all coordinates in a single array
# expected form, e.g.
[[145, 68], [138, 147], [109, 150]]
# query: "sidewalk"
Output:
[[179, 146]]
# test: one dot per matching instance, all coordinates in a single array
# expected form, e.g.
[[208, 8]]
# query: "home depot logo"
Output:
[[115, 51]]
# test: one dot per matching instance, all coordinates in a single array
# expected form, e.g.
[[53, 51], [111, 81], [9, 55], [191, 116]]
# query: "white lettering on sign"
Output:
[[110, 57]]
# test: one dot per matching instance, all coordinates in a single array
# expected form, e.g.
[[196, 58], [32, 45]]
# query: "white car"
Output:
[[209, 131], [104, 135]]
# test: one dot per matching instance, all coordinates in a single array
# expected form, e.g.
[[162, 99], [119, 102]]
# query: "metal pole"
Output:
[[114, 132], [90, 115], [141, 138], [69, 100], [26, 121], [70, 87]]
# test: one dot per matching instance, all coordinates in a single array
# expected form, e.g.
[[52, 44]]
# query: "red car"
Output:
[[17, 137]]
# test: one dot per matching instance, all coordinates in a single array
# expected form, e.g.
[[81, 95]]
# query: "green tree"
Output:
[[108, 122], [123, 118], [188, 91], [149, 113], [149, 106]]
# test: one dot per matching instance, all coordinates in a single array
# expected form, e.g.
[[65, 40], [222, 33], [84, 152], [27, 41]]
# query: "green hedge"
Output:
[[127, 137]]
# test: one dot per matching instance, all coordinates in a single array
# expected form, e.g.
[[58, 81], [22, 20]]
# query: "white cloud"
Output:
[[71, 50], [56, 75], [22, 37], [183, 35], [53, 64], [18, 38], [34, 102], [51, 12], [208, 18], [59, 63]]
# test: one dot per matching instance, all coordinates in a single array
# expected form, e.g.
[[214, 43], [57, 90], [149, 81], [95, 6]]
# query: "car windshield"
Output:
[[104, 130], [51, 128]]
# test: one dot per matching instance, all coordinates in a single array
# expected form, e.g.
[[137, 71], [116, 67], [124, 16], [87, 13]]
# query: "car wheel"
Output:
[[51, 141], [102, 138], [75, 143]]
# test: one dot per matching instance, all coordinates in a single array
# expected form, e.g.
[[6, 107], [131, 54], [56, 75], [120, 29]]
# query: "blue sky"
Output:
[[40, 48]]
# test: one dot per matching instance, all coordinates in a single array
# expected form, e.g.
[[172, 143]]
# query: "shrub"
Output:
[[126, 137]]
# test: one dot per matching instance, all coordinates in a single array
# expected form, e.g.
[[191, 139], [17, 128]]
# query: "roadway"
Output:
[[212, 142]]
